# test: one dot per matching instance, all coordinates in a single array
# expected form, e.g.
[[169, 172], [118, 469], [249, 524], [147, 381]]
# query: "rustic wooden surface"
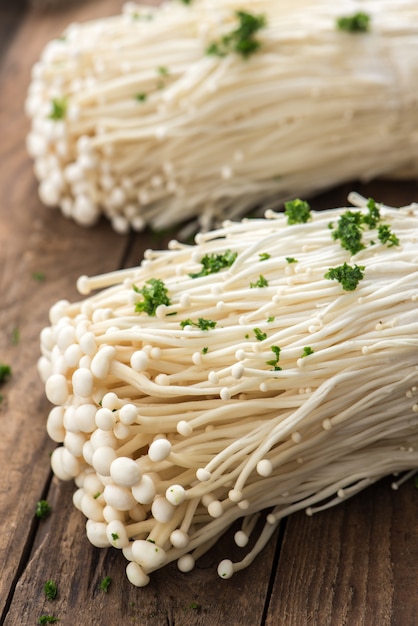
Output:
[[355, 565]]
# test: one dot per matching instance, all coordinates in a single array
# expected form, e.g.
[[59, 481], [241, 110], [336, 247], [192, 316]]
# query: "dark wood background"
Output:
[[355, 565]]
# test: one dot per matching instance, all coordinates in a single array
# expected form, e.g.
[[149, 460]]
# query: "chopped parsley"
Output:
[[162, 70], [48, 619], [58, 108], [15, 336], [297, 211], [105, 584], [349, 276], [115, 536], [201, 323], [307, 350], [5, 372], [241, 39], [357, 23], [270, 318], [43, 509], [261, 282], [259, 335], [50, 589], [373, 216], [141, 97], [155, 293], [205, 350], [385, 235], [38, 276], [349, 231], [264, 256], [97, 495], [214, 263], [291, 259], [274, 362]]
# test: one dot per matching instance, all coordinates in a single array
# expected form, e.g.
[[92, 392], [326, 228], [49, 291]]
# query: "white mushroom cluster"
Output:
[[161, 114], [271, 366]]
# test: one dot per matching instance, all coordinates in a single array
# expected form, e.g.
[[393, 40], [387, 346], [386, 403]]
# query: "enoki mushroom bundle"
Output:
[[205, 110], [272, 366]]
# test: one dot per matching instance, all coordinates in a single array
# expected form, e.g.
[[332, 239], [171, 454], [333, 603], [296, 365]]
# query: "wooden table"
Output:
[[356, 564]]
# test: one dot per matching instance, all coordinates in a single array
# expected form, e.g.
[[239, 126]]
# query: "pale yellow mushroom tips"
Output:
[[143, 117], [271, 366]]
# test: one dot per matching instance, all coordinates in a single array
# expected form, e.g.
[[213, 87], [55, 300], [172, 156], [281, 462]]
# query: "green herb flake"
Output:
[[307, 350], [261, 282], [214, 263], [141, 97], [48, 619], [357, 23], [155, 293], [97, 495], [163, 70], [349, 276], [205, 350], [58, 108], [50, 589], [5, 372], [115, 536], [263, 256], [43, 509], [274, 362], [373, 216], [385, 235], [270, 319], [297, 211], [291, 259], [201, 323], [349, 231], [241, 39], [105, 584], [259, 335], [15, 336], [38, 276]]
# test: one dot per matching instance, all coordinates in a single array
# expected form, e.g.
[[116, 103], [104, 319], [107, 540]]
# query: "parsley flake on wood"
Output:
[[240, 40], [155, 293], [5, 372], [349, 276], [50, 589], [261, 282], [105, 584], [297, 211], [43, 509], [48, 619], [357, 23]]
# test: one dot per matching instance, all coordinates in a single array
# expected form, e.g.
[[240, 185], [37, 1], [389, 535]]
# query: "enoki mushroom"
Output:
[[265, 368], [166, 114]]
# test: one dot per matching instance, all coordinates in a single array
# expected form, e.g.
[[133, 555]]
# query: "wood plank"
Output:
[[356, 563], [32, 239]]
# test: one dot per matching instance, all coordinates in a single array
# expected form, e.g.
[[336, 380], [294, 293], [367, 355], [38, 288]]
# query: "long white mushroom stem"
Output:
[[131, 117], [272, 366]]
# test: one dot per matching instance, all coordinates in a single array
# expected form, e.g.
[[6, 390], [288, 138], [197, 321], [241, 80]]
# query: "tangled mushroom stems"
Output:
[[131, 117], [298, 394]]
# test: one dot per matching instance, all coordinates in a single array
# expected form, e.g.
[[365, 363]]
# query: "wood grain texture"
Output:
[[354, 565]]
